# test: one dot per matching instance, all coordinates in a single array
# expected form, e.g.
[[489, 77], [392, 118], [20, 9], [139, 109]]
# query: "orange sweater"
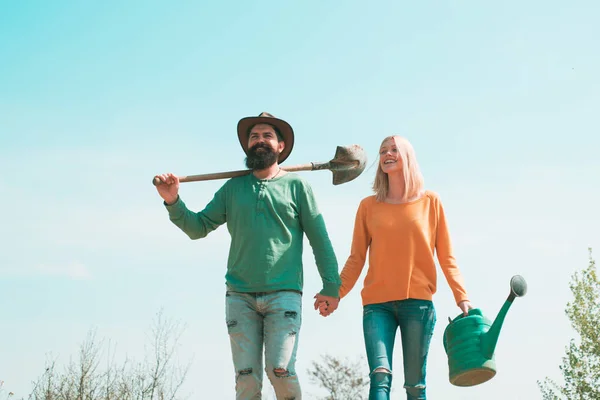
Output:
[[401, 239]]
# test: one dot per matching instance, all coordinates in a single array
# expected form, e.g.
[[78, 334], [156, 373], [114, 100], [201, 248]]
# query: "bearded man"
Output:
[[267, 213]]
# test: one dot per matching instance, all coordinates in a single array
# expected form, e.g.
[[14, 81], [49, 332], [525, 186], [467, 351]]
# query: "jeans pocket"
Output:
[[235, 306]]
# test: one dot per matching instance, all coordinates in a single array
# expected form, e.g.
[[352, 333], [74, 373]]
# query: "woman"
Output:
[[402, 226]]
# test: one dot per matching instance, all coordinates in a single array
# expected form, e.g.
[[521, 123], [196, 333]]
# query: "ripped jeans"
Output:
[[272, 319], [416, 320]]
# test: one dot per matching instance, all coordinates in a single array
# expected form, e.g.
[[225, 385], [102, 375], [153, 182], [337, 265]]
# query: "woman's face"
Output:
[[389, 157]]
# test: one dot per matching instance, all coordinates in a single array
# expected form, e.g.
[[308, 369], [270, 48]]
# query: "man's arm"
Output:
[[195, 225], [198, 225], [313, 225]]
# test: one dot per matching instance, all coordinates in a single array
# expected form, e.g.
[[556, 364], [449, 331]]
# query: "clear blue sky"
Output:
[[95, 98]]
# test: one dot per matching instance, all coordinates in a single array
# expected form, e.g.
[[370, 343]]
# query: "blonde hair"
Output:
[[413, 179]]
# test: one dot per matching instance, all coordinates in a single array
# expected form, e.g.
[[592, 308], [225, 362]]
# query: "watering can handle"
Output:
[[472, 311]]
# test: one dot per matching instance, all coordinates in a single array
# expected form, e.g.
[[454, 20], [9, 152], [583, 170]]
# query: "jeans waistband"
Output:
[[265, 293]]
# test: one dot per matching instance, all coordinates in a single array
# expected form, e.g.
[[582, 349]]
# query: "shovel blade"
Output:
[[348, 163]]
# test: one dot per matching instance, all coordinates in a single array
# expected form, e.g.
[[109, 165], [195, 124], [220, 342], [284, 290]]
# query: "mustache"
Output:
[[261, 146]]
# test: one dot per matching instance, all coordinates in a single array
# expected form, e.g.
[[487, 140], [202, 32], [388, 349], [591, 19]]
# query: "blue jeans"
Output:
[[271, 320], [416, 320]]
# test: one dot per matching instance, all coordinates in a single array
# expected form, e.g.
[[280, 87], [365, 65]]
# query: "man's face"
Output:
[[263, 133], [264, 147]]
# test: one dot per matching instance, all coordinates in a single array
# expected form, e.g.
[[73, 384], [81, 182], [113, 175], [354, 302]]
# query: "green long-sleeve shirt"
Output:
[[266, 220]]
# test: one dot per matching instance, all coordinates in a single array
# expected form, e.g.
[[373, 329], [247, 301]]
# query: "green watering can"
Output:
[[470, 341]]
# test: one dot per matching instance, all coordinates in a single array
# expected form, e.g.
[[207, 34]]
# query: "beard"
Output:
[[257, 160]]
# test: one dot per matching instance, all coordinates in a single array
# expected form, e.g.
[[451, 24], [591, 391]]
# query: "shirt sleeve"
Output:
[[199, 224], [314, 227], [361, 239], [445, 255]]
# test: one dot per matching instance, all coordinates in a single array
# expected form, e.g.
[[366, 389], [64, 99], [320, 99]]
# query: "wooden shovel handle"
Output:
[[232, 174]]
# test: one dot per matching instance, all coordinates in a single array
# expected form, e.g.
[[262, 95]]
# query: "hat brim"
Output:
[[283, 127]]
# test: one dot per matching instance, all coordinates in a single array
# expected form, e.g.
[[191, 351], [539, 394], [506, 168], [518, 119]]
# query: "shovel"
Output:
[[347, 164]]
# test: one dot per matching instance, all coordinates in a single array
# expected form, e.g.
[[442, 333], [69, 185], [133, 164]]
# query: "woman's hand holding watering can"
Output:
[[465, 306]]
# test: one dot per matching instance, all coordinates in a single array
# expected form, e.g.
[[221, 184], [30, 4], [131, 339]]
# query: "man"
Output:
[[267, 213]]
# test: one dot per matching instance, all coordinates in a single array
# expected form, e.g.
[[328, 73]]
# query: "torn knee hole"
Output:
[[231, 323], [245, 371], [290, 314], [381, 370], [281, 372]]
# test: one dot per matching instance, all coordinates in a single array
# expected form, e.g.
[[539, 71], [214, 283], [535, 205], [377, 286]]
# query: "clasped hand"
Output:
[[326, 304]]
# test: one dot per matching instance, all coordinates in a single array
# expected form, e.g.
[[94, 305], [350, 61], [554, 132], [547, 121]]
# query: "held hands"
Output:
[[168, 189], [465, 306], [326, 304]]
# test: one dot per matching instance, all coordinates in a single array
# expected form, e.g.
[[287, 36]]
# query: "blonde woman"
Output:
[[401, 226]]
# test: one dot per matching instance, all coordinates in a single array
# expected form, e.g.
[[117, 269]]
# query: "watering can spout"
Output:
[[518, 288]]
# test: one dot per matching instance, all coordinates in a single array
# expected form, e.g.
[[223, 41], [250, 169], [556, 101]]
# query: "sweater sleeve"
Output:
[[314, 227], [445, 255], [198, 225], [361, 240]]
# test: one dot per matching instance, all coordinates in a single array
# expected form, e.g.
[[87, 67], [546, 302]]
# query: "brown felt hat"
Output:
[[285, 130]]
